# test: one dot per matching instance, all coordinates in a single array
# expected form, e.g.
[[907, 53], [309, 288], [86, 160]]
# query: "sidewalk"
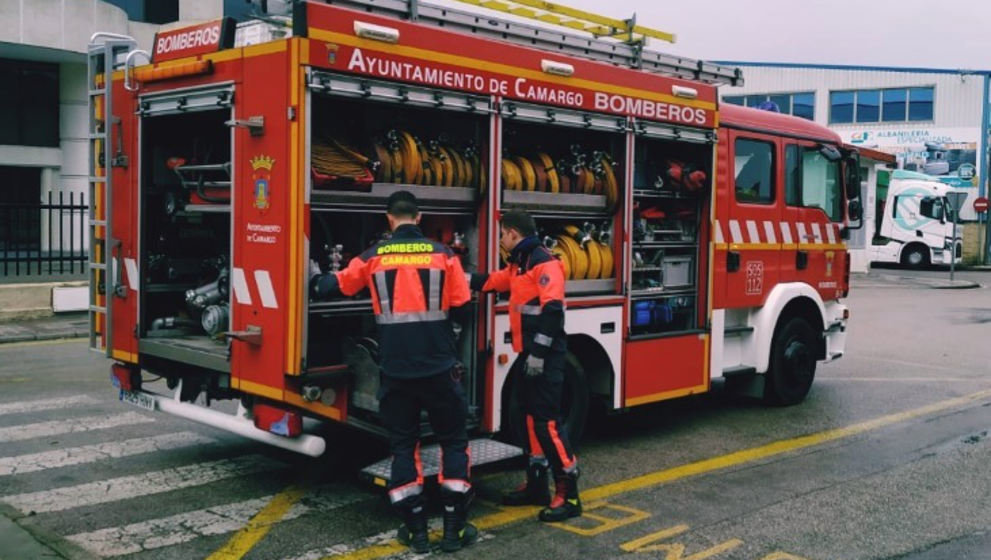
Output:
[[65, 325]]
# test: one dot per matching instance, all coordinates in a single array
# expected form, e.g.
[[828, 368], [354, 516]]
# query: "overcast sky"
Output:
[[951, 34]]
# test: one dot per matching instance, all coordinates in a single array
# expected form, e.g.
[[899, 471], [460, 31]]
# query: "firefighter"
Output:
[[416, 285], [534, 279]]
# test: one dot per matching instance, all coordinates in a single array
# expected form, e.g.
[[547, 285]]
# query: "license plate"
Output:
[[140, 400]]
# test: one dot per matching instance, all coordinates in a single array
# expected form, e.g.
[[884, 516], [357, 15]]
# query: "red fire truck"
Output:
[[704, 244]]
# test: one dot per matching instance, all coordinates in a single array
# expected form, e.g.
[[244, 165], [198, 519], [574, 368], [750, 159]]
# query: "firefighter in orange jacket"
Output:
[[416, 284], [534, 279]]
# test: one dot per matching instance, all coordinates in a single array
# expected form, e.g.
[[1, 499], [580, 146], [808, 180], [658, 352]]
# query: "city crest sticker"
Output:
[[261, 173]]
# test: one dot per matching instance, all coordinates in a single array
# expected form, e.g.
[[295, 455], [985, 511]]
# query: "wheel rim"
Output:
[[915, 258]]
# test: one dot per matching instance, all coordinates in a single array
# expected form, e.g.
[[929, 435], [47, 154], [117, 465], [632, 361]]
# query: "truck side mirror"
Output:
[[855, 217], [852, 178]]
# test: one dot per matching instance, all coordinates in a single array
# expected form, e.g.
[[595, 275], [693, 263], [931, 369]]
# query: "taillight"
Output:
[[125, 377], [277, 420]]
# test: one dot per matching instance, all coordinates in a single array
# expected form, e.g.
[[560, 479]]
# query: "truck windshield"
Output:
[[933, 207]]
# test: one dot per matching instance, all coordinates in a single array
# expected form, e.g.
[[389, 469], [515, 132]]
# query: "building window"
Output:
[[797, 104], [753, 163], [29, 103], [920, 104], [895, 105], [886, 105], [868, 106], [841, 106]]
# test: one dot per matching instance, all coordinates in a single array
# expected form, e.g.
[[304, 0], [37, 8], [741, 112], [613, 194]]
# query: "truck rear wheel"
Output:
[[574, 404], [793, 363], [915, 256]]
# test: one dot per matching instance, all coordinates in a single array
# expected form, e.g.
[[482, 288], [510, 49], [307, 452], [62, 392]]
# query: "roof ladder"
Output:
[[105, 54], [613, 41]]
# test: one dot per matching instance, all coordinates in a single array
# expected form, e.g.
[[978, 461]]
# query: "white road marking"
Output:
[[91, 453], [216, 520], [46, 404], [142, 485], [71, 426]]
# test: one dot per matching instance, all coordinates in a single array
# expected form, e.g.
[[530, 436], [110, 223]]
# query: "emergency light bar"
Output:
[[556, 68], [195, 68], [376, 32]]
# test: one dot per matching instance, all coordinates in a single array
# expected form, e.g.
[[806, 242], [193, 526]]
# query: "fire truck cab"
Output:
[[703, 244]]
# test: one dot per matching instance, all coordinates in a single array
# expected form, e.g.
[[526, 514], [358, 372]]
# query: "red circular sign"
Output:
[[980, 205]]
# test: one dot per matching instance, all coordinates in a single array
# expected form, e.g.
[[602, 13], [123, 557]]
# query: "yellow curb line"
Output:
[[506, 517]]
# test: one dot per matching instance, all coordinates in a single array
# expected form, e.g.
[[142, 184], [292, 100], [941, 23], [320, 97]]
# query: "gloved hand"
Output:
[[314, 269], [533, 366]]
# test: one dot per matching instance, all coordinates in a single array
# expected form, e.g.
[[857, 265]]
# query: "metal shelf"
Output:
[[341, 307], [655, 193], [555, 203], [661, 244], [650, 293], [427, 196], [578, 287], [207, 208]]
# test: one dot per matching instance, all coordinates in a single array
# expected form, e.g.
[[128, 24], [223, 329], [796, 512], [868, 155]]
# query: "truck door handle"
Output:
[[732, 261], [801, 260]]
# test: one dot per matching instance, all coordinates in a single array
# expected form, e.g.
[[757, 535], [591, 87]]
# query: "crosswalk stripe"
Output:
[[126, 487], [217, 520], [91, 453], [46, 404], [71, 426]]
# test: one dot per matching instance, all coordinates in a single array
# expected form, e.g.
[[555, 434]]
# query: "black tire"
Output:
[[574, 404], [793, 363], [916, 256]]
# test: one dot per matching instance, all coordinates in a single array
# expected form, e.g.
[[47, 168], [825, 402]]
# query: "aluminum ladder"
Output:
[[630, 53], [106, 53]]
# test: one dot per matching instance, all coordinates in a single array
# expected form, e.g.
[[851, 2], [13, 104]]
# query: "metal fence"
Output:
[[44, 238]]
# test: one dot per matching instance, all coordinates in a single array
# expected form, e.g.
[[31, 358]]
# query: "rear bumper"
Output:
[[239, 423]]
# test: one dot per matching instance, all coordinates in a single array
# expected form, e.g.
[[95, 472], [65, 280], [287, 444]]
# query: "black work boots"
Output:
[[413, 531], [566, 503], [533, 491], [458, 533]]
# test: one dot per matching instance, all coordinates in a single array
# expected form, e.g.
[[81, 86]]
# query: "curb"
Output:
[[41, 336], [19, 543]]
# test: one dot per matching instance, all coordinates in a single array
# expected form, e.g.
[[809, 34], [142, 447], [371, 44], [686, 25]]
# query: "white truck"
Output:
[[915, 223]]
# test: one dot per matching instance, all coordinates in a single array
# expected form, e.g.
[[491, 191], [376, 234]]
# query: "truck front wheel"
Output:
[[915, 256], [793, 363]]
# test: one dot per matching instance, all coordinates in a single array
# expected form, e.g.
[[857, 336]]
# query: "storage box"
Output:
[[677, 271]]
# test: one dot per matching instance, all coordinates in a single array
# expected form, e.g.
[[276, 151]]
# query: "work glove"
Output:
[[314, 270], [534, 366]]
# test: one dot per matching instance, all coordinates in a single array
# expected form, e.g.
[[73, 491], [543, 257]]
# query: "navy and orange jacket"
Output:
[[534, 279], [415, 283]]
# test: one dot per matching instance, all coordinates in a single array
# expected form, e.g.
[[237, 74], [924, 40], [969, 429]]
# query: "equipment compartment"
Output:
[[670, 182], [185, 208], [557, 169], [359, 145]]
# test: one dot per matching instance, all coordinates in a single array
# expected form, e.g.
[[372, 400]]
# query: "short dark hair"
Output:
[[402, 204], [520, 221]]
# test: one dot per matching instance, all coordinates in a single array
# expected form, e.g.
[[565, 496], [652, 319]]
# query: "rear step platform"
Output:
[[483, 452]]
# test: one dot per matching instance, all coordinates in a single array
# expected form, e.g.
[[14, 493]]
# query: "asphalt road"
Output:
[[887, 458]]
